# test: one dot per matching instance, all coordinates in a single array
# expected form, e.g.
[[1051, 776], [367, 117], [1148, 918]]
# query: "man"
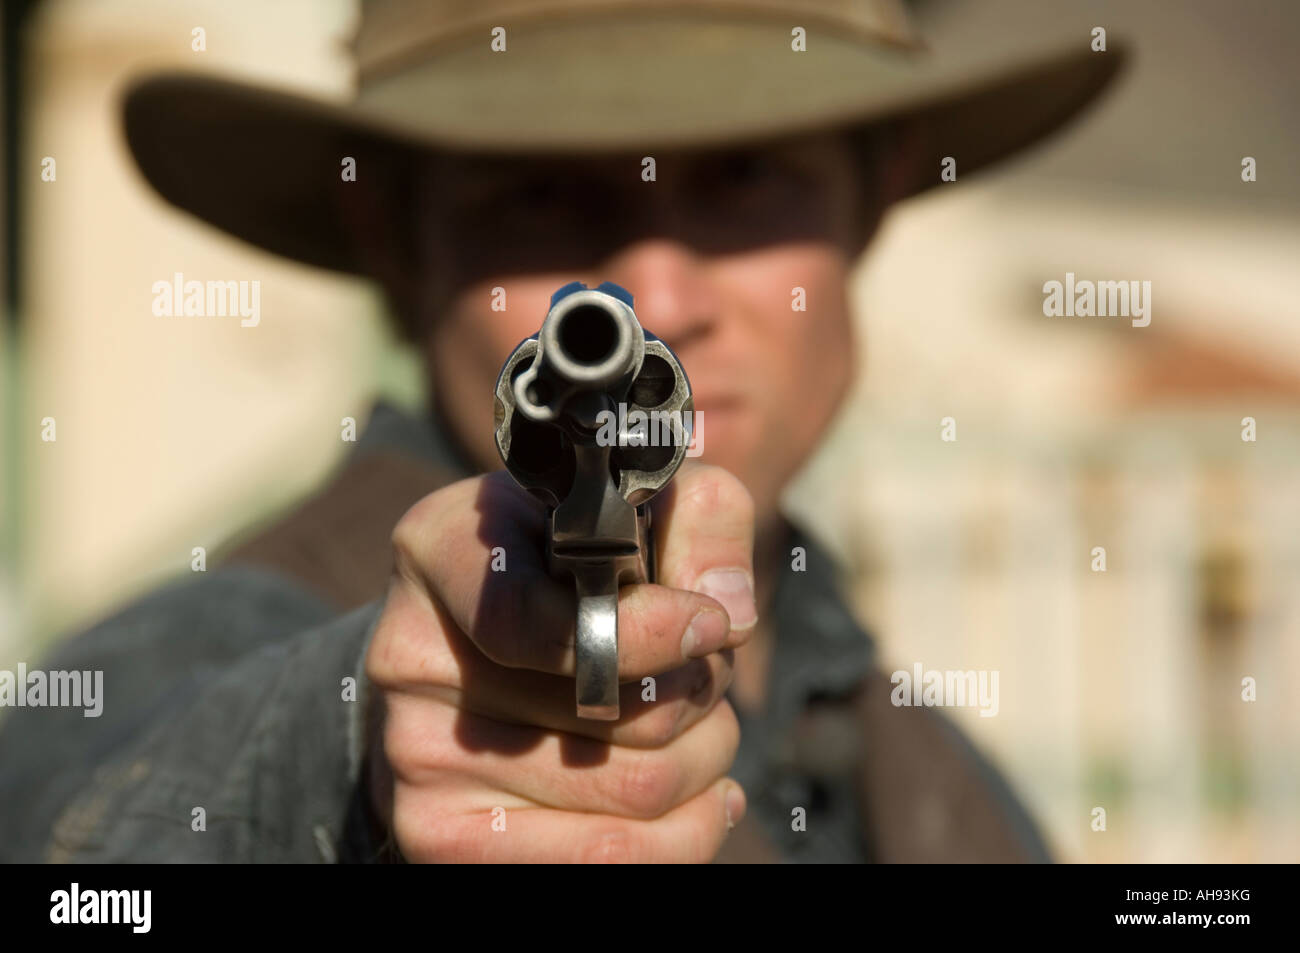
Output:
[[355, 683]]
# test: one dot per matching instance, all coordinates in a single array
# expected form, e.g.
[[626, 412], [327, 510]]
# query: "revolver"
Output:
[[593, 415]]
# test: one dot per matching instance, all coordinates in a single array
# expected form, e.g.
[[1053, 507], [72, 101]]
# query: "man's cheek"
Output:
[[494, 322], [825, 377]]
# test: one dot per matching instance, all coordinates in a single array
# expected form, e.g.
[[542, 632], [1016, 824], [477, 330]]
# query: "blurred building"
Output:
[[1120, 689], [171, 432]]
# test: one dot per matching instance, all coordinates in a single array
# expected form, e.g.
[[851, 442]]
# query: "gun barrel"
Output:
[[590, 349]]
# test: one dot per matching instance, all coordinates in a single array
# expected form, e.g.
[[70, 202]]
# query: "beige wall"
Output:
[[171, 431], [1072, 434]]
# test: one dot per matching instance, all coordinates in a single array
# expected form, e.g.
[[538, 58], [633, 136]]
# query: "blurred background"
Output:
[[1120, 689]]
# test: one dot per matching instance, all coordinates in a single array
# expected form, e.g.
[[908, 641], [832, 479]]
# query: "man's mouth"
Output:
[[718, 402]]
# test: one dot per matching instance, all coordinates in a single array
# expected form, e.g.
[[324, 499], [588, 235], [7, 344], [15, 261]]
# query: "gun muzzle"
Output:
[[590, 348]]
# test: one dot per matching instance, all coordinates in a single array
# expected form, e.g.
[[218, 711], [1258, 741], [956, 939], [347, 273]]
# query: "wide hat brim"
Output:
[[265, 165]]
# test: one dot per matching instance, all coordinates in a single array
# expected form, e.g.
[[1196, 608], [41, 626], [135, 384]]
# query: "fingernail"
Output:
[[707, 633], [735, 806], [733, 589]]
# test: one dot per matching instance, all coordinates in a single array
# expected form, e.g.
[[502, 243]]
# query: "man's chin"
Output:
[[721, 433], [730, 438]]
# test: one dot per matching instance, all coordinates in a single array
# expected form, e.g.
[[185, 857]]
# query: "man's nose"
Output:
[[670, 288]]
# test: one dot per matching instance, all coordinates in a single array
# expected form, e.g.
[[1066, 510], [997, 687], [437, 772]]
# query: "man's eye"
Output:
[[756, 168], [743, 169], [542, 193], [747, 177]]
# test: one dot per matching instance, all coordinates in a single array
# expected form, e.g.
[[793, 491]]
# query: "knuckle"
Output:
[[704, 679], [441, 840], [414, 522], [408, 744], [426, 522], [420, 837], [730, 726], [383, 664], [378, 665], [397, 749], [647, 786], [457, 840], [404, 532], [706, 844], [661, 724], [609, 846], [697, 685], [406, 570], [409, 644]]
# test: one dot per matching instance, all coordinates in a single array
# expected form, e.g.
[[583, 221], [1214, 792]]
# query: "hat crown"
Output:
[[394, 33]]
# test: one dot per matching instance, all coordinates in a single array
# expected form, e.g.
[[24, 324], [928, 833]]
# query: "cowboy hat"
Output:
[[586, 76]]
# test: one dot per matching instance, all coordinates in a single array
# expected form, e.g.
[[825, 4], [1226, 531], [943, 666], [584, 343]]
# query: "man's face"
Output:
[[713, 250]]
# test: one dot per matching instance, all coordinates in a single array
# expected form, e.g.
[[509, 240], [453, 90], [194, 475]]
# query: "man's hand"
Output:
[[483, 756]]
